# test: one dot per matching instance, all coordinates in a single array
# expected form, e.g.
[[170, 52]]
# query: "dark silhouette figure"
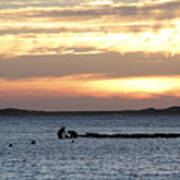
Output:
[[61, 133], [73, 134], [10, 145]]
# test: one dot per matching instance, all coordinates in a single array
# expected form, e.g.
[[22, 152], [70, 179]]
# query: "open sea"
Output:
[[88, 158]]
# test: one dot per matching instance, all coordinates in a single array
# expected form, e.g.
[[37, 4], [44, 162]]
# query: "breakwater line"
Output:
[[131, 136]]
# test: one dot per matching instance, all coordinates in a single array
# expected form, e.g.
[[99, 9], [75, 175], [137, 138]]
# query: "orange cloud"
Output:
[[166, 40], [104, 26]]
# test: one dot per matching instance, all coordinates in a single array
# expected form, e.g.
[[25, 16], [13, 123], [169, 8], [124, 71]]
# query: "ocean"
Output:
[[88, 158]]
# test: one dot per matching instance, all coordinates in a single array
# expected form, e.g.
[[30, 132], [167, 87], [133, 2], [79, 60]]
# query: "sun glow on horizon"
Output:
[[84, 85]]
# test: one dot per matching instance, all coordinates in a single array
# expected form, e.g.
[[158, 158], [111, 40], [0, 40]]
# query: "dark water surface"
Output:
[[53, 159]]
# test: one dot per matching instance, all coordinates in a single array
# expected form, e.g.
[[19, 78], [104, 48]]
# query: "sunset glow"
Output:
[[105, 49], [84, 85], [106, 28]]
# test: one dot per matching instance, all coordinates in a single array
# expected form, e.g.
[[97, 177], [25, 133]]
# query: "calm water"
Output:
[[53, 159]]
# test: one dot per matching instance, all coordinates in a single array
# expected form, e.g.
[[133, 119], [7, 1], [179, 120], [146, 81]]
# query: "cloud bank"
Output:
[[106, 54]]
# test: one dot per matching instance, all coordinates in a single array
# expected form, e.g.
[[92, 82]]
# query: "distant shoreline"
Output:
[[174, 110]]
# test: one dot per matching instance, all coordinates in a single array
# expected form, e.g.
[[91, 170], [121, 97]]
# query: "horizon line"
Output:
[[64, 111]]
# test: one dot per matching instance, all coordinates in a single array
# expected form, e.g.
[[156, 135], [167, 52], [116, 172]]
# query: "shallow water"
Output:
[[53, 159]]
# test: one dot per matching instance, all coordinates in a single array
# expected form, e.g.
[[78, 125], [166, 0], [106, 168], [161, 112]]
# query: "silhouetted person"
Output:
[[73, 134], [61, 133]]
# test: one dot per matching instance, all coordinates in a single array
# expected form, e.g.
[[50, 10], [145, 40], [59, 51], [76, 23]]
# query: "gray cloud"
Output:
[[97, 28], [16, 4], [165, 10], [111, 64], [153, 11]]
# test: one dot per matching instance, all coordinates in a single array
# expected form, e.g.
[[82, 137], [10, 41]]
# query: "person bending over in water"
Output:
[[61, 133]]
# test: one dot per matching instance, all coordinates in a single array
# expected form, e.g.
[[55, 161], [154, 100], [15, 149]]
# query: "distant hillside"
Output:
[[150, 111]]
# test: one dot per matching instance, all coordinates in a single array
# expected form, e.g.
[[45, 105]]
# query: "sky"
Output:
[[79, 55]]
